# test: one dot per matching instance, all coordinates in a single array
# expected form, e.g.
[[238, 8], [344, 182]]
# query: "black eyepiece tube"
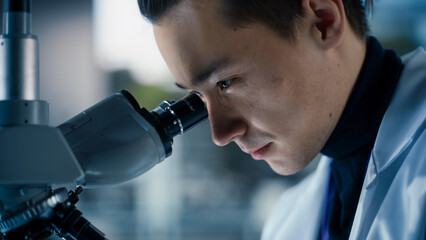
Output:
[[177, 117], [191, 110], [17, 6]]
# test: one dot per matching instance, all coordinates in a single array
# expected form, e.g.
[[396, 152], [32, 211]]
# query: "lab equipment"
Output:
[[113, 141]]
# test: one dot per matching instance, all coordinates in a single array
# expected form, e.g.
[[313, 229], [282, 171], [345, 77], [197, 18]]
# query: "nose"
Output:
[[226, 124]]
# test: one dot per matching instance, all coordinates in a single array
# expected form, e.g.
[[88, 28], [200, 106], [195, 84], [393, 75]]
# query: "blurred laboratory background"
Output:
[[91, 49]]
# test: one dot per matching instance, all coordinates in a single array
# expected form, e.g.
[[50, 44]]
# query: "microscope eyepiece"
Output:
[[177, 117], [17, 6]]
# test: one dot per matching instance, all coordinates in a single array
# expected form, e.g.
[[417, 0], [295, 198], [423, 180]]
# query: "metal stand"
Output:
[[53, 214], [29, 148]]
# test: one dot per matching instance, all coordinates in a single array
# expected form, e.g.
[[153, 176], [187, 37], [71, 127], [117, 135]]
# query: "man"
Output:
[[286, 80]]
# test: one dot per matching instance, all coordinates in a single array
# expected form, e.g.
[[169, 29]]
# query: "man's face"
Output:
[[264, 92]]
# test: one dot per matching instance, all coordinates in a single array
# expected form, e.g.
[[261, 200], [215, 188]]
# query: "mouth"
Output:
[[260, 153]]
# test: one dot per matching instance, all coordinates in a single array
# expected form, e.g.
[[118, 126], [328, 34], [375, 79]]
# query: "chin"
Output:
[[287, 167]]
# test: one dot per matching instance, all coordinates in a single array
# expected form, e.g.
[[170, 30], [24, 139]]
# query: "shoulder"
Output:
[[417, 54], [394, 182], [413, 77], [405, 117]]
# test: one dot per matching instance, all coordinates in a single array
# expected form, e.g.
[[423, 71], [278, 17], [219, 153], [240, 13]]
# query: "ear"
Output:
[[328, 21]]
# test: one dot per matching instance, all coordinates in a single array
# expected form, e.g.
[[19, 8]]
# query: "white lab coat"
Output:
[[392, 203]]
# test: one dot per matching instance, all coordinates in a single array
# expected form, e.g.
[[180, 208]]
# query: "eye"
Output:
[[225, 83]]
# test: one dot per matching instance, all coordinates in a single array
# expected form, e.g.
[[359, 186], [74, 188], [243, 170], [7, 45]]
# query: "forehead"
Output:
[[191, 36], [194, 36], [196, 18]]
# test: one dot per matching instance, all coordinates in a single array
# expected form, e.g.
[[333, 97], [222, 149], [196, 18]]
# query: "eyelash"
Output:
[[224, 84]]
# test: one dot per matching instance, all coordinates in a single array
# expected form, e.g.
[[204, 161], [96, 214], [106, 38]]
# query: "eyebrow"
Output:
[[204, 74], [211, 68], [215, 66], [180, 86]]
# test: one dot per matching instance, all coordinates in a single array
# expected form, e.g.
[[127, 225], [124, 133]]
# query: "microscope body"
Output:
[[111, 142], [114, 142]]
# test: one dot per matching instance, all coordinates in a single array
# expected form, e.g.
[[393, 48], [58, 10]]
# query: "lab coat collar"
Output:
[[359, 123], [407, 106]]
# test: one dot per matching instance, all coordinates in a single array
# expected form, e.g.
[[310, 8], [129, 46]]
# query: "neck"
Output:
[[347, 62], [351, 54]]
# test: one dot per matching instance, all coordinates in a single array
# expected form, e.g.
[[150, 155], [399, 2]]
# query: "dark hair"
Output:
[[278, 15]]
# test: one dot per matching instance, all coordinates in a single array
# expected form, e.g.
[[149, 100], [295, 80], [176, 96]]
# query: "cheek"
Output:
[[274, 103]]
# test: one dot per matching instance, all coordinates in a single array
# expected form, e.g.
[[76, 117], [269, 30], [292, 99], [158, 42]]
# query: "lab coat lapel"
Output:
[[402, 125], [299, 211], [403, 119]]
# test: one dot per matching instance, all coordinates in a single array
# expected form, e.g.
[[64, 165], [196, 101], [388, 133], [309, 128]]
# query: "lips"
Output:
[[260, 153]]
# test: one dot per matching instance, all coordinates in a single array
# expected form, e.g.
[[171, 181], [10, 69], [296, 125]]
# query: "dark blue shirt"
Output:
[[352, 140]]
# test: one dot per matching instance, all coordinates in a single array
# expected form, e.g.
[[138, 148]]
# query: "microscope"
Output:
[[111, 142]]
